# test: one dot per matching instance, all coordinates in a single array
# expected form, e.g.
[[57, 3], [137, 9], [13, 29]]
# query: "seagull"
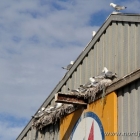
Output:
[[49, 109], [75, 90], [85, 86], [79, 90], [93, 34], [57, 105], [69, 66], [104, 83], [92, 82], [117, 7], [43, 108], [109, 74], [101, 76], [38, 115]]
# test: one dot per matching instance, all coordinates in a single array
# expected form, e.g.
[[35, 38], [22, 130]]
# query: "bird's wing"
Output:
[[109, 74], [74, 90], [87, 85], [69, 66], [119, 7], [100, 76]]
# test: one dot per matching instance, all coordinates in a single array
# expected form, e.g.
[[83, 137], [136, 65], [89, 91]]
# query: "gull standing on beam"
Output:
[[93, 34], [117, 7], [57, 105], [101, 76], [49, 109], [109, 74], [92, 82], [39, 114], [69, 66], [79, 90]]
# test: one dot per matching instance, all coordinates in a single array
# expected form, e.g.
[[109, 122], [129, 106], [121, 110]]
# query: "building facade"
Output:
[[116, 46]]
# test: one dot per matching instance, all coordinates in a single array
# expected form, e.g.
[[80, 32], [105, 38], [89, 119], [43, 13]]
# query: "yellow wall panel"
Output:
[[105, 109]]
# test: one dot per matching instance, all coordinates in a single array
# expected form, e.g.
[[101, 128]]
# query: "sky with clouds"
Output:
[[37, 38]]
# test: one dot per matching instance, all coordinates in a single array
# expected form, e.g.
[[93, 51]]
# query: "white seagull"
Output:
[[49, 109], [100, 76], [38, 115], [79, 90], [109, 74], [57, 105], [91, 83], [93, 34], [69, 66], [117, 7]]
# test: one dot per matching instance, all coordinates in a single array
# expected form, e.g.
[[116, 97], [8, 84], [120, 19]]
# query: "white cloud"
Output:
[[9, 132]]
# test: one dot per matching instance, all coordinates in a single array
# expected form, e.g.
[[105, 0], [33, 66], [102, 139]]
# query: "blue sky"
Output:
[[37, 38]]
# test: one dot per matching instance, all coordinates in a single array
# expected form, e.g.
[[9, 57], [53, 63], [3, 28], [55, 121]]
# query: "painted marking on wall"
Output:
[[88, 127], [91, 134]]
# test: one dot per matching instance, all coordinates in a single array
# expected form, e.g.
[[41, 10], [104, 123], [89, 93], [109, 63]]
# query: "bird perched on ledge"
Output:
[[109, 74], [91, 83], [117, 7], [106, 74], [68, 66], [93, 34]]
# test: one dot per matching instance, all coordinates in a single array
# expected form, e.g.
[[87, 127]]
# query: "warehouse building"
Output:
[[116, 46]]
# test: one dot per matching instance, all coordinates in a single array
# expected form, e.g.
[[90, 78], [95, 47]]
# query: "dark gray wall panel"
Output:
[[78, 76], [95, 62], [129, 111], [137, 47]]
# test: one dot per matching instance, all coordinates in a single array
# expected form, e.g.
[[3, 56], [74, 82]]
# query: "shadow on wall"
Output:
[[67, 123]]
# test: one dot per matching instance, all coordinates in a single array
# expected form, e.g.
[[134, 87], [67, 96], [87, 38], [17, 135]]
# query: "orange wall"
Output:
[[105, 109]]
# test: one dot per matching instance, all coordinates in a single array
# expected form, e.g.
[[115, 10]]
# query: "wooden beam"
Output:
[[69, 99]]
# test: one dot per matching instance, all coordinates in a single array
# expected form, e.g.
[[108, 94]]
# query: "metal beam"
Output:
[[69, 99]]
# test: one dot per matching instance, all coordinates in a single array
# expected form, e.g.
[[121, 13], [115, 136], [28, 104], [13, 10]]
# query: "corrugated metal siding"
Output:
[[137, 45], [117, 49], [78, 77], [51, 132], [92, 56], [129, 110]]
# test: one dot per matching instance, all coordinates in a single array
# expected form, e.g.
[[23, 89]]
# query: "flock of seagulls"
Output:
[[99, 82], [47, 110], [51, 113]]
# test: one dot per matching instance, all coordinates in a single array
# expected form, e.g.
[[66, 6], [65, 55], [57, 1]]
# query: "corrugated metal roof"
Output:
[[134, 18]]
